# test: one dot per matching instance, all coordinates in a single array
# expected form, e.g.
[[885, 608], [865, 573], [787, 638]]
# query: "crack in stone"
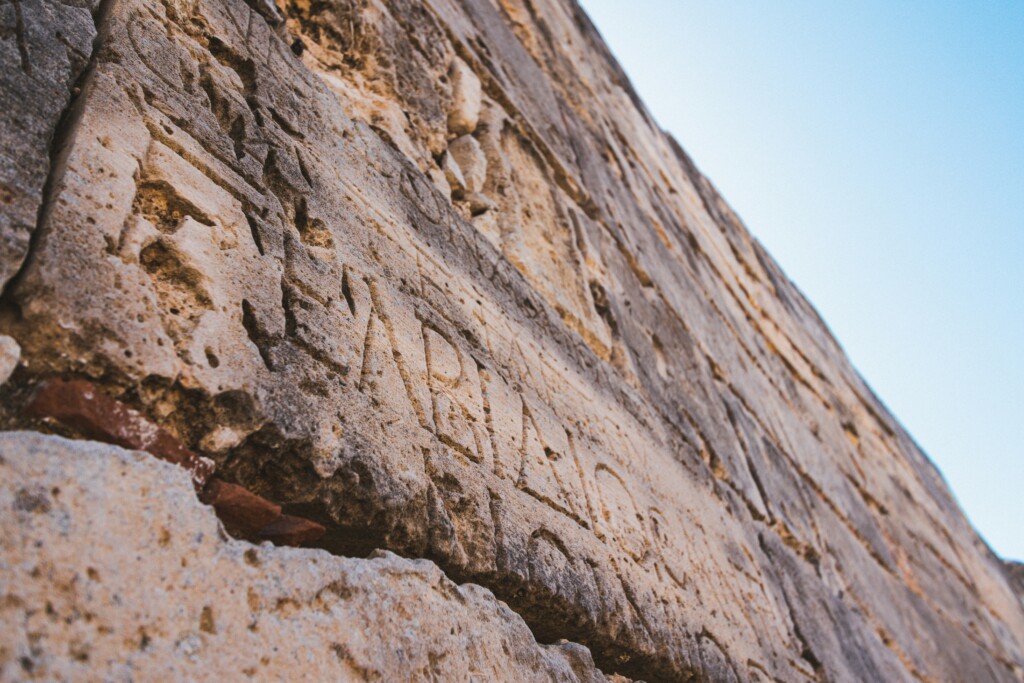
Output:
[[63, 137]]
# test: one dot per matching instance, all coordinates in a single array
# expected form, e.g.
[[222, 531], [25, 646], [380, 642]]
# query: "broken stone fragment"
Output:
[[480, 203], [466, 95], [243, 512], [83, 407], [221, 439], [453, 174], [10, 353], [288, 530], [471, 161]]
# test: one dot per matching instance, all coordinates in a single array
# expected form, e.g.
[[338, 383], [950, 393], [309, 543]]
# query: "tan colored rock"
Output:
[[111, 570], [466, 98], [600, 399], [10, 353], [469, 156], [453, 174], [480, 203], [1015, 573], [44, 49]]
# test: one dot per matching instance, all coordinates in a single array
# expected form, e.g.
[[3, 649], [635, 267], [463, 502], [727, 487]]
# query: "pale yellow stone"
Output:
[[111, 570], [10, 353], [466, 98], [598, 396]]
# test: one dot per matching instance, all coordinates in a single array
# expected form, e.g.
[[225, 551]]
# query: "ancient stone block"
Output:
[[593, 394], [111, 569]]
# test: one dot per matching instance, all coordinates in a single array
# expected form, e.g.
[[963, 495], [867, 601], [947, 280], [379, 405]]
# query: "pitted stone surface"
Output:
[[466, 96], [111, 570], [582, 385], [44, 48], [10, 354]]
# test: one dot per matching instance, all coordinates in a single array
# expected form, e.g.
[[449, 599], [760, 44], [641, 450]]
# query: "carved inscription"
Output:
[[620, 514], [415, 373], [418, 372], [283, 283], [549, 471], [456, 397], [380, 319]]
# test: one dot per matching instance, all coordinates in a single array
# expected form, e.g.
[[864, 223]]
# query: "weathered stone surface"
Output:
[[10, 354], [93, 414], [466, 98], [598, 397], [83, 410], [471, 161], [44, 49], [1015, 571], [453, 174], [111, 570]]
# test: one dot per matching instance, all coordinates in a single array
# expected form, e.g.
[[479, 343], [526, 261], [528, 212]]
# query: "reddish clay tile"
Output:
[[242, 511], [83, 407], [288, 530]]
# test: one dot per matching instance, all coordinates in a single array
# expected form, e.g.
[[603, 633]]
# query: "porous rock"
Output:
[[112, 570], [600, 398], [453, 174], [469, 156], [466, 98], [10, 353]]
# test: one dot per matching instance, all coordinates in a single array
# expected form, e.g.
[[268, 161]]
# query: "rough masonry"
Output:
[[429, 275], [204, 608]]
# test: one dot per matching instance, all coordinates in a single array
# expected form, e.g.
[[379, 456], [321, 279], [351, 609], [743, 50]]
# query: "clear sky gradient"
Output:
[[877, 150]]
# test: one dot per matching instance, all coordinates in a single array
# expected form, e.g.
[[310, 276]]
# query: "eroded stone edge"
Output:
[[110, 538]]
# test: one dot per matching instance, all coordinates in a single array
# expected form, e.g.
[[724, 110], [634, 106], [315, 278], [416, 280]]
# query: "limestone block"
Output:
[[112, 570], [598, 398]]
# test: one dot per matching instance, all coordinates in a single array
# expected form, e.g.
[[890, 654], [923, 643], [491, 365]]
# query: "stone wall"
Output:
[[429, 275], [202, 607]]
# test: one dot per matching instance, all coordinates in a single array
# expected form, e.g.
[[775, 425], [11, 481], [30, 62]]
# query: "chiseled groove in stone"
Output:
[[63, 137], [599, 535], [806, 383]]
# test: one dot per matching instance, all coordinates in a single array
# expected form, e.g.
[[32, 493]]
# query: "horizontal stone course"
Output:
[[426, 277]]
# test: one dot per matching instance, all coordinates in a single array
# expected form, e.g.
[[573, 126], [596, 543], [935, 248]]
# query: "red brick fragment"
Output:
[[243, 512], [288, 530], [81, 406]]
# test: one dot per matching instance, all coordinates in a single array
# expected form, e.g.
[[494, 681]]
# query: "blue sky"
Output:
[[877, 150]]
